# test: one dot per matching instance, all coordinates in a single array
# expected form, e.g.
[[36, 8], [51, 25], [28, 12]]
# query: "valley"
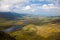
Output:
[[32, 27]]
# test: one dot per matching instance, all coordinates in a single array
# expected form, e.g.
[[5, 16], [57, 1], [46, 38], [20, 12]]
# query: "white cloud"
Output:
[[40, 0], [56, 2], [20, 7], [49, 6], [27, 8], [46, 8], [31, 8], [6, 5]]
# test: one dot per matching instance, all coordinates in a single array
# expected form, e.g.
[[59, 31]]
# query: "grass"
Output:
[[41, 29], [34, 32]]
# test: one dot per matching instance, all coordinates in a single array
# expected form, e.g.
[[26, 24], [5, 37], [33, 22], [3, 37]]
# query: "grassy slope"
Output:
[[31, 31], [36, 30], [6, 24]]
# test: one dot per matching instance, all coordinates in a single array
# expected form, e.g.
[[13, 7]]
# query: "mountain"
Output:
[[11, 15]]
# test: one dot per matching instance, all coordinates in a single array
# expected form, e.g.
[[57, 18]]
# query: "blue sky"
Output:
[[44, 7]]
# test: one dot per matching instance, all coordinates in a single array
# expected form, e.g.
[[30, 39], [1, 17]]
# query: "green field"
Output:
[[43, 28]]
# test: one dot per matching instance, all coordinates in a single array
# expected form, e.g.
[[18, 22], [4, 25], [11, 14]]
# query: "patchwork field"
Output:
[[46, 28]]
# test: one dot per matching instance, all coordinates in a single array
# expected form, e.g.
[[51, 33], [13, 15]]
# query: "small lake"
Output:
[[13, 28]]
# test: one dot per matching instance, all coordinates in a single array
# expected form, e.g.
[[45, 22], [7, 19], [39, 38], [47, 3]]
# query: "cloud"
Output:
[[30, 8], [6, 5], [56, 2], [45, 9], [49, 6], [40, 0], [25, 6]]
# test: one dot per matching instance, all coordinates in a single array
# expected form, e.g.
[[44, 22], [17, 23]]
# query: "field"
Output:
[[34, 28]]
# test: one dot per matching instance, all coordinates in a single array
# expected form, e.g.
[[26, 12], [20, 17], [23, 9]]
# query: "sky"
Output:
[[43, 7]]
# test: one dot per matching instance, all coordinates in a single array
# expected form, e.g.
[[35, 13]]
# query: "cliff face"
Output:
[[5, 36]]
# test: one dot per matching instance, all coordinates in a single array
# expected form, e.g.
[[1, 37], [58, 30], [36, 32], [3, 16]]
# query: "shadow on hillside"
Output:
[[54, 36], [5, 36], [55, 21]]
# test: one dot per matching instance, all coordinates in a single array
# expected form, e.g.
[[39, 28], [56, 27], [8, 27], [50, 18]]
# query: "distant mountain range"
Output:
[[11, 15]]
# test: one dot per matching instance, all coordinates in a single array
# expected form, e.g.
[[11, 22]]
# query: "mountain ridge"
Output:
[[10, 15]]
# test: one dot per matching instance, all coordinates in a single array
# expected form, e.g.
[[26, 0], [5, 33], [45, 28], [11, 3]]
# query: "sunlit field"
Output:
[[42, 28]]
